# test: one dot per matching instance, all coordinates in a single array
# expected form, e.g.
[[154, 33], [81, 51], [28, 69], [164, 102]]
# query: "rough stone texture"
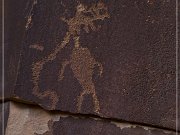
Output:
[[30, 120], [15, 12], [4, 108], [111, 58], [27, 120]]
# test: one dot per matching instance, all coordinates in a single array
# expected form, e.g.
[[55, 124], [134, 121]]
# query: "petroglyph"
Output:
[[82, 65], [37, 47], [81, 61]]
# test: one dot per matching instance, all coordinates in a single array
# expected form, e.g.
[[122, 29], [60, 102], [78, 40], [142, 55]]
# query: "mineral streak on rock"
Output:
[[37, 47], [29, 17], [81, 60]]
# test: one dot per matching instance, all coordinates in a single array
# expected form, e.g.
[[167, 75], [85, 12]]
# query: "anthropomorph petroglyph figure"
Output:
[[81, 61], [82, 64]]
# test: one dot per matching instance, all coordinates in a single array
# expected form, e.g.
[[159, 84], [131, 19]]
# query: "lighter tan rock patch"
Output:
[[24, 120]]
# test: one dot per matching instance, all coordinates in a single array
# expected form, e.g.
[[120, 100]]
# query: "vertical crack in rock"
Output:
[[29, 17]]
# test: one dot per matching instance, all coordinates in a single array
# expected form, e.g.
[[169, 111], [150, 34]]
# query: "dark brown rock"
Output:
[[15, 16], [4, 116], [76, 126], [31, 120], [111, 58]]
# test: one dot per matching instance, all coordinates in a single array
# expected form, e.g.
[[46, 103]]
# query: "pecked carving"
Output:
[[81, 61]]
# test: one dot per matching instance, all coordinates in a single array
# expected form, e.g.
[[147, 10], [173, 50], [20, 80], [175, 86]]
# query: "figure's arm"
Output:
[[64, 20], [61, 72], [100, 68]]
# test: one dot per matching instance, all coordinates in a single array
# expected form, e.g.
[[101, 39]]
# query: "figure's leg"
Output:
[[100, 68], [86, 28], [53, 96], [61, 73], [92, 26], [80, 100], [91, 90], [95, 100]]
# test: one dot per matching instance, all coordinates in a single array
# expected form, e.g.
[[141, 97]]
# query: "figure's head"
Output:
[[85, 17], [88, 15], [97, 10]]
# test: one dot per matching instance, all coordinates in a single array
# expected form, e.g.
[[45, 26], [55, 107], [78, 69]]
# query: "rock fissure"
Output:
[[117, 122]]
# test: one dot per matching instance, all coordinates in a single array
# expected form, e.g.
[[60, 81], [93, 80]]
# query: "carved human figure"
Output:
[[82, 65], [81, 61]]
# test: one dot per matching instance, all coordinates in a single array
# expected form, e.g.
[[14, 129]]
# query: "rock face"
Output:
[[30, 120], [14, 30], [113, 59], [4, 117]]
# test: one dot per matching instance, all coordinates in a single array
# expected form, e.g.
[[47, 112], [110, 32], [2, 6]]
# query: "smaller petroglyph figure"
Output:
[[81, 61]]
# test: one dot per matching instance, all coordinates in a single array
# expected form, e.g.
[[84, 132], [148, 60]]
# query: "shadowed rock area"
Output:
[[31, 120]]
